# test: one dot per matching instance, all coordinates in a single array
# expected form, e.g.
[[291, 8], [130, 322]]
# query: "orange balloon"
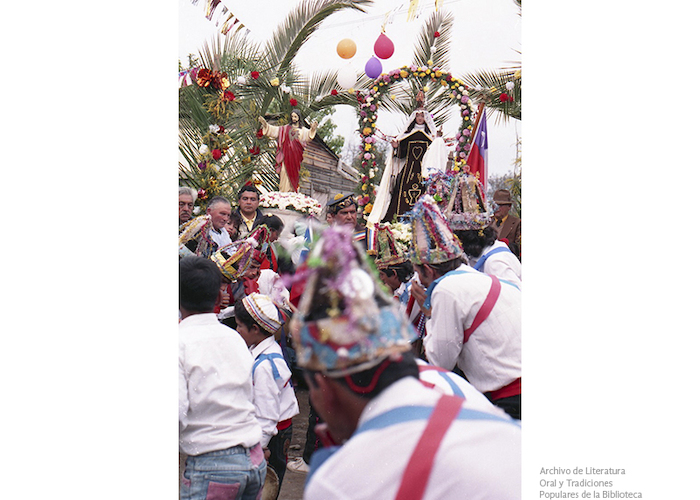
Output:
[[346, 48]]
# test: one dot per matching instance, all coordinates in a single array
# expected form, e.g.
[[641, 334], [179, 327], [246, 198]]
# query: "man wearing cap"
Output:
[[342, 210], [218, 429], [399, 438], [474, 318], [507, 225]]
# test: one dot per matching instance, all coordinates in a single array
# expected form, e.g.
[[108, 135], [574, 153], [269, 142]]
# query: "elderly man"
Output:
[[342, 210], [506, 224], [399, 438], [474, 318], [186, 201], [219, 209], [248, 203]]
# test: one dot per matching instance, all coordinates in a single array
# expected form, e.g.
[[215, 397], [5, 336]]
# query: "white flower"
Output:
[[203, 149], [285, 89], [240, 80], [478, 88], [213, 129], [510, 85]]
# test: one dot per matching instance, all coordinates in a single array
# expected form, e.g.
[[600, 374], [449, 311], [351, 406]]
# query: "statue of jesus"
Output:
[[291, 141]]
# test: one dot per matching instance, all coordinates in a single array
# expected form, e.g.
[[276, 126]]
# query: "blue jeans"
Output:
[[235, 473]]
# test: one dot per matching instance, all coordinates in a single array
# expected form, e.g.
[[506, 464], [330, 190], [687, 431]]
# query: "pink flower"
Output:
[[368, 156]]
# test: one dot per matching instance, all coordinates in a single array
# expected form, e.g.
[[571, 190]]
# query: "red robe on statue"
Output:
[[290, 152]]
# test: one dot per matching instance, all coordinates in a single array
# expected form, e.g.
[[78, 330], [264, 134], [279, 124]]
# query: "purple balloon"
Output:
[[373, 68]]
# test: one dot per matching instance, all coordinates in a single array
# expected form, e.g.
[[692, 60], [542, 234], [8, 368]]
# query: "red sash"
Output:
[[486, 307], [415, 477]]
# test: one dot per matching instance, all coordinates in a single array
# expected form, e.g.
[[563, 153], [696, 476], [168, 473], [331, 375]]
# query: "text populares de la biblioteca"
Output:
[[572, 487]]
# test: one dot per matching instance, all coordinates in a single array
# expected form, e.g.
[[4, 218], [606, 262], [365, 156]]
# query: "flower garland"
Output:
[[369, 103], [297, 202]]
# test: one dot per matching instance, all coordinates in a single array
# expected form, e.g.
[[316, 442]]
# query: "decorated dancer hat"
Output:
[[385, 248], [339, 202], [433, 241], [195, 239], [345, 323], [234, 259], [467, 208], [263, 310]]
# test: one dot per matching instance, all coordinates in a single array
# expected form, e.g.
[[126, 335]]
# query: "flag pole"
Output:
[[479, 112]]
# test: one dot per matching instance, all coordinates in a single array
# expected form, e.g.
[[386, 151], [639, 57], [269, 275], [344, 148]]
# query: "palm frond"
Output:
[[494, 83], [299, 25], [441, 22]]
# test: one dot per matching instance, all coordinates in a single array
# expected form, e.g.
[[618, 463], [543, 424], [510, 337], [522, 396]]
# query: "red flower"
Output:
[[255, 151], [216, 153], [201, 194], [510, 99], [437, 34], [259, 133], [228, 95], [334, 92], [293, 102], [255, 75], [221, 129], [503, 97]]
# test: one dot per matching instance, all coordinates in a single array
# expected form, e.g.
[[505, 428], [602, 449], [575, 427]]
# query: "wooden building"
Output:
[[327, 174]]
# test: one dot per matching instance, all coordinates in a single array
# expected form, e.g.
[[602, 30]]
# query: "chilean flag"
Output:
[[478, 159]]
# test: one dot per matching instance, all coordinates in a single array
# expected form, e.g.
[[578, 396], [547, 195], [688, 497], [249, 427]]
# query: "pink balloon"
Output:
[[384, 47], [373, 68]]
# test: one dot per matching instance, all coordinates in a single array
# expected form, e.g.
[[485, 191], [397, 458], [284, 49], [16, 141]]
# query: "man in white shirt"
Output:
[[218, 428], [219, 209], [399, 438], [474, 318]]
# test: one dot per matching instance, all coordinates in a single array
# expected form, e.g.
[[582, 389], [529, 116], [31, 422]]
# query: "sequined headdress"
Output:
[[385, 248], [467, 208], [345, 322], [234, 259], [433, 241], [195, 239]]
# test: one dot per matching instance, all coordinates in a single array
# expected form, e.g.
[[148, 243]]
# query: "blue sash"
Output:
[[400, 415], [270, 358], [480, 263]]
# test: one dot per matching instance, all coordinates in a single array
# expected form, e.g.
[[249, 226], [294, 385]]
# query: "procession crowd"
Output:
[[411, 355]]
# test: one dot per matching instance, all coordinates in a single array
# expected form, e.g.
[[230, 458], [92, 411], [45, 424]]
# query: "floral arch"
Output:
[[369, 104]]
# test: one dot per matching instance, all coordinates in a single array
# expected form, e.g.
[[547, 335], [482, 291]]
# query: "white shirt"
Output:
[[222, 238], [274, 399], [477, 459], [491, 358], [438, 380], [503, 265], [215, 386]]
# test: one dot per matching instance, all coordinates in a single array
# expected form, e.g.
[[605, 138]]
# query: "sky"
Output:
[[486, 35]]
